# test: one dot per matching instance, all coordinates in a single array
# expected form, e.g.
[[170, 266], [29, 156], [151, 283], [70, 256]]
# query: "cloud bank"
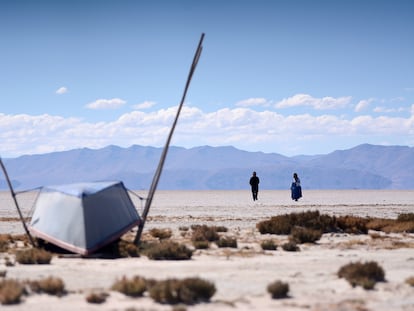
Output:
[[242, 127]]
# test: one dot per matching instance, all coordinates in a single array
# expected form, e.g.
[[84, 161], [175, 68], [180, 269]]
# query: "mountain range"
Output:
[[217, 168]]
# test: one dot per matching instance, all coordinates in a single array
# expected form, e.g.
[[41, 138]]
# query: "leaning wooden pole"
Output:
[[13, 194], [157, 174]]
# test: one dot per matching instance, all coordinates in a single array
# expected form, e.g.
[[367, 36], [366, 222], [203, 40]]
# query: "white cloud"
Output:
[[106, 103], [316, 103], [144, 105], [62, 90], [252, 102], [363, 104], [241, 127]]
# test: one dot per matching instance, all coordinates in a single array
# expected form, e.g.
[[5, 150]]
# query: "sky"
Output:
[[286, 76]]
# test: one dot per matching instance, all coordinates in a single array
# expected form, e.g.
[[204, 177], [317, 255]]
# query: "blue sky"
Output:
[[290, 77]]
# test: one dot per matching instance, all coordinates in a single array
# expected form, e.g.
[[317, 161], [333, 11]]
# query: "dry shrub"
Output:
[[5, 240], [168, 250], [362, 274], [188, 291], [97, 298], [11, 292], [50, 285], [405, 217], [204, 233], [278, 289], [161, 234], [304, 235], [183, 228], [227, 242], [290, 246], [201, 244], [127, 249], [33, 256], [134, 287], [283, 224], [410, 281], [220, 228], [268, 245], [401, 224], [352, 224]]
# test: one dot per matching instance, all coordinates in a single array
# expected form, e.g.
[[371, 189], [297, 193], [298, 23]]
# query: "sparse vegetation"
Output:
[[11, 292], [204, 233], [365, 275], [161, 234], [134, 287], [290, 247], [278, 289], [227, 242], [304, 235], [284, 224], [167, 250], [187, 291], [97, 298], [33, 256], [410, 281], [268, 245], [201, 244], [50, 285]]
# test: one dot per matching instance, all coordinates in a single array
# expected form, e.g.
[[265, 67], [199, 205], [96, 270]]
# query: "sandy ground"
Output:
[[241, 275]]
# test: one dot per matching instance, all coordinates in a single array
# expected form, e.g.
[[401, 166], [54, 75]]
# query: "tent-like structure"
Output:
[[83, 217]]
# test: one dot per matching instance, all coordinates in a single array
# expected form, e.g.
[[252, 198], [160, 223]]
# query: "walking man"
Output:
[[254, 183]]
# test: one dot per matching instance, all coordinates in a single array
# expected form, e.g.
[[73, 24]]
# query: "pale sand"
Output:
[[241, 275]]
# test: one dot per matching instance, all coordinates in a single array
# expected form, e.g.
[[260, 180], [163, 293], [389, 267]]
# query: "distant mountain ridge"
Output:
[[227, 168]]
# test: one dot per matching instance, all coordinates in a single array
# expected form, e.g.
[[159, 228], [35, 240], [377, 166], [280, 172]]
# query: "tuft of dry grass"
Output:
[[50, 285], [204, 233], [352, 224], [33, 256], [268, 245], [97, 298], [410, 281], [278, 289], [301, 235], [161, 234], [365, 275], [5, 240], [187, 291], [227, 242], [167, 250], [11, 292], [201, 244], [134, 287], [290, 247]]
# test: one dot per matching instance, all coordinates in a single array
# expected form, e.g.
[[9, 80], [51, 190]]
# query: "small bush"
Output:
[[5, 240], [161, 234], [278, 289], [187, 291], [50, 285], [362, 274], [201, 244], [405, 217], [134, 287], [290, 247], [204, 233], [168, 250], [353, 224], [227, 242], [410, 281], [268, 245], [127, 249], [11, 292], [33, 256], [183, 228], [304, 235], [220, 229], [97, 298]]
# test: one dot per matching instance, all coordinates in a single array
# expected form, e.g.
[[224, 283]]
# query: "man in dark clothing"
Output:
[[254, 183]]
